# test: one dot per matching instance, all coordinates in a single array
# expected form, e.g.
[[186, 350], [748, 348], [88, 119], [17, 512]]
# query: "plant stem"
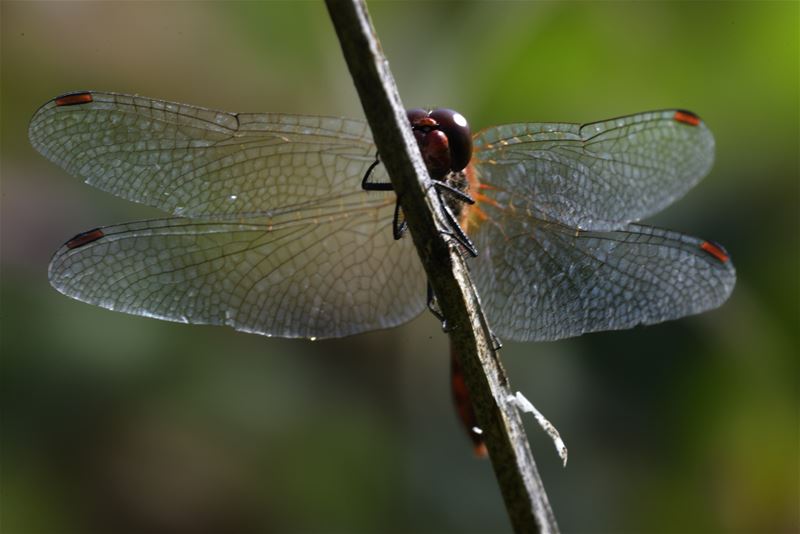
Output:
[[514, 466]]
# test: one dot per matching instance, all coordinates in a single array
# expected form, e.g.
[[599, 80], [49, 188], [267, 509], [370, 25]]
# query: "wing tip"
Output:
[[77, 241], [71, 98]]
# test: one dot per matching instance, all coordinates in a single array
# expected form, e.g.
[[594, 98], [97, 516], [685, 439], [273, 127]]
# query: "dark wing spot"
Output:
[[84, 238], [715, 250], [687, 117], [72, 99]]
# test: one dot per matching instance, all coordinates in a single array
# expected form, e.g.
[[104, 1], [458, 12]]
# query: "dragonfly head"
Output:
[[444, 139]]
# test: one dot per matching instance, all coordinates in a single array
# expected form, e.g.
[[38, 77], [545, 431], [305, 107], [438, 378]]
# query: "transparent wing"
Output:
[[596, 176], [192, 161], [544, 281], [322, 273]]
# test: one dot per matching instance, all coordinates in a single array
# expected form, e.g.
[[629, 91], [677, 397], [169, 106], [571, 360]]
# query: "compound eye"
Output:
[[455, 126], [415, 115]]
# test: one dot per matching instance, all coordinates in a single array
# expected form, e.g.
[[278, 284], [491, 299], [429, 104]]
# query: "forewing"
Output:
[[320, 274], [596, 176], [544, 281], [192, 161]]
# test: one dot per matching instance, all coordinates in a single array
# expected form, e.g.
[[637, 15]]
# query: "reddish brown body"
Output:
[[464, 407]]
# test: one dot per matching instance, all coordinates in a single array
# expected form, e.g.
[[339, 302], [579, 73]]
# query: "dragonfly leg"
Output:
[[457, 232], [398, 221], [399, 224], [497, 344], [366, 185], [433, 306], [456, 192]]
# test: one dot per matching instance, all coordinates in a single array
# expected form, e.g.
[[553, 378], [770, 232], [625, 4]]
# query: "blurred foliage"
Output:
[[113, 423]]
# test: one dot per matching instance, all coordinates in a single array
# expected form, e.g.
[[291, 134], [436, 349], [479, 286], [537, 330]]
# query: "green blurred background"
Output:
[[113, 423]]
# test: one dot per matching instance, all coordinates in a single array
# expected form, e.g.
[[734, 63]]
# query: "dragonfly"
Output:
[[272, 226]]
